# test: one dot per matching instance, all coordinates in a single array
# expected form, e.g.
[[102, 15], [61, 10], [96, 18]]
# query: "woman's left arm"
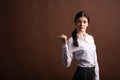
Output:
[[96, 68], [96, 63]]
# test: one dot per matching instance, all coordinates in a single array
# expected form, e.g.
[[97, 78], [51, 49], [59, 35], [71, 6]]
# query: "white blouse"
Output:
[[85, 53]]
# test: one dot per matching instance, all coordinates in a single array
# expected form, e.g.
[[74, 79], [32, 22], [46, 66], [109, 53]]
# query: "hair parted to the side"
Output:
[[74, 33]]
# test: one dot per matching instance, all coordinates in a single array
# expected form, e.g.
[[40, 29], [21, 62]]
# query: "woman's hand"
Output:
[[63, 39]]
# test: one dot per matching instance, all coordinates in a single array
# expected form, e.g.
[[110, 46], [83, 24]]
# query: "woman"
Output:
[[82, 46]]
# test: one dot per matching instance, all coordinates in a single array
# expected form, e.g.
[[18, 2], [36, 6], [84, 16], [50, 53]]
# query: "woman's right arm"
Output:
[[67, 55], [66, 50]]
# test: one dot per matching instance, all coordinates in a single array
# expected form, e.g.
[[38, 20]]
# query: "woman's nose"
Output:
[[81, 23]]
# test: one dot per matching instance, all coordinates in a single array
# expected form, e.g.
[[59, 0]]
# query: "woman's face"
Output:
[[81, 24]]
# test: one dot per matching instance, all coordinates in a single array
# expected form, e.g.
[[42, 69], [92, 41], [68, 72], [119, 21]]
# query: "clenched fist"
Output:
[[63, 39]]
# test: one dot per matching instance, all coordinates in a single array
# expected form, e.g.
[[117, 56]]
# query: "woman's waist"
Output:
[[85, 64], [88, 68]]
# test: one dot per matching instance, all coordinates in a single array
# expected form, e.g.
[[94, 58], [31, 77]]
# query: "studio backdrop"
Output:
[[30, 50]]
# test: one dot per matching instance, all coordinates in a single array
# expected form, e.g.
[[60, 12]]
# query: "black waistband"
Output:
[[88, 68]]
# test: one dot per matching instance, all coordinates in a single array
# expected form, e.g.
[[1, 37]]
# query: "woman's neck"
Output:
[[82, 34]]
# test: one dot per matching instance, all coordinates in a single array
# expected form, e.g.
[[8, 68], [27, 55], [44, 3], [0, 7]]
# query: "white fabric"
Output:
[[85, 53]]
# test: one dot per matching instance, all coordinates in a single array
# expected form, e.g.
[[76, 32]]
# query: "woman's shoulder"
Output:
[[89, 35]]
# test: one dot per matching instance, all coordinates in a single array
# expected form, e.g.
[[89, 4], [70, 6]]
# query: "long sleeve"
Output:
[[96, 69], [97, 77], [67, 55]]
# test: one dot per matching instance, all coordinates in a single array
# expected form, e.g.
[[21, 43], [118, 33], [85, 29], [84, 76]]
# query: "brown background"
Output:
[[29, 48]]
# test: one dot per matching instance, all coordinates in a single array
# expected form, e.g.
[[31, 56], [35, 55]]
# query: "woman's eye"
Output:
[[84, 21]]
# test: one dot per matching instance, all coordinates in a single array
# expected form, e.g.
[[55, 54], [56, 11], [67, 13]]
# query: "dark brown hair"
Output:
[[74, 33]]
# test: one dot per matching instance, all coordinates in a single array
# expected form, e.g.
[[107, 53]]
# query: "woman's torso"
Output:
[[85, 52]]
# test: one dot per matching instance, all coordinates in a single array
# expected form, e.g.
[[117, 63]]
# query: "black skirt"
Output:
[[84, 73]]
